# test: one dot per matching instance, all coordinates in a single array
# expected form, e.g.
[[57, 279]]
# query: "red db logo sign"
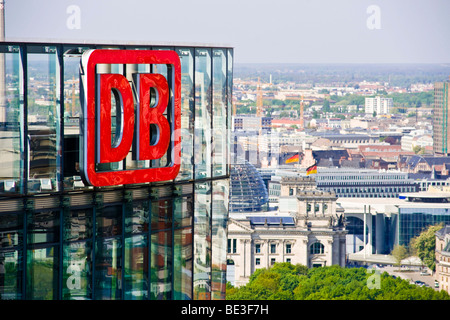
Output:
[[148, 110]]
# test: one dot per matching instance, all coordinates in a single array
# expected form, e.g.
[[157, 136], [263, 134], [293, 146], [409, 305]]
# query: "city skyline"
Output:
[[322, 31]]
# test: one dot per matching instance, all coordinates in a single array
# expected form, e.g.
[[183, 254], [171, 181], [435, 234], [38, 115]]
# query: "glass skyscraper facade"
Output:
[[61, 239]]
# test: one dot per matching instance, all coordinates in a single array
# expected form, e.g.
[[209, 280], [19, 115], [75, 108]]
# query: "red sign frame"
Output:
[[94, 150]]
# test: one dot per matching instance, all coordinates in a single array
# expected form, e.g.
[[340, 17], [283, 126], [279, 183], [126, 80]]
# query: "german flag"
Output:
[[292, 159], [311, 169]]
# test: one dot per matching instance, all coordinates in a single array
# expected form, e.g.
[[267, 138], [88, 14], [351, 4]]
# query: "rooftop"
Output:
[[107, 43]]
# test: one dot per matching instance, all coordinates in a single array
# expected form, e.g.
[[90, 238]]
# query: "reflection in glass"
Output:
[[136, 268], [71, 116], [136, 217], [42, 255], [77, 271], [219, 238], [43, 227], [229, 105], [161, 265], [11, 124], [161, 215], [202, 140], [42, 273], [187, 113], [202, 241], [219, 112], [108, 269], [109, 221], [43, 121], [11, 241], [77, 225], [183, 258]]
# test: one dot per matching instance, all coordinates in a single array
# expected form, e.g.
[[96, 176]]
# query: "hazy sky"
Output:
[[298, 31]]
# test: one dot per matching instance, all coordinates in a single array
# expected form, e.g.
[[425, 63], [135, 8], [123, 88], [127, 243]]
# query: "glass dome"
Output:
[[248, 193]]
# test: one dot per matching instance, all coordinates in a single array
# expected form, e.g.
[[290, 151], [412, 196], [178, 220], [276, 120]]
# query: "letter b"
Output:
[[153, 129]]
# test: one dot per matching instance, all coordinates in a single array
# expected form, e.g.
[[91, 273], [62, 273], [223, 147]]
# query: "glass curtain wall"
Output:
[[187, 113], [202, 241], [220, 195], [11, 120], [43, 119], [162, 246], [202, 139], [219, 98], [43, 235], [77, 253], [11, 256]]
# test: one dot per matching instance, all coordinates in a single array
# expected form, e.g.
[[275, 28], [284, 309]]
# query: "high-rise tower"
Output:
[[441, 117]]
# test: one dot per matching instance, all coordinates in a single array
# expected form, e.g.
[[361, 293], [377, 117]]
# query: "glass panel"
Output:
[[183, 261], [161, 266], [77, 266], [11, 241], [187, 113], [183, 209], [78, 225], [229, 105], [202, 140], [72, 114], [219, 113], [109, 221], [202, 244], [43, 227], [161, 216], [43, 120], [219, 238], [183, 258], [136, 217], [11, 120], [42, 273], [108, 269], [136, 268]]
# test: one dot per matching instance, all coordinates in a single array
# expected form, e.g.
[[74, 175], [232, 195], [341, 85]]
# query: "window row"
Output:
[[172, 248], [40, 114]]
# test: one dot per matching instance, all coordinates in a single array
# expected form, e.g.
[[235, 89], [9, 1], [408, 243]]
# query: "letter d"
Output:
[[107, 151]]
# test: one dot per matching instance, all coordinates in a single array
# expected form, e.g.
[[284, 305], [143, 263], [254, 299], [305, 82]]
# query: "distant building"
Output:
[[419, 163], [251, 123], [442, 275], [391, 221], [364, 183], [308, 229], [441, 116], [379, 105]]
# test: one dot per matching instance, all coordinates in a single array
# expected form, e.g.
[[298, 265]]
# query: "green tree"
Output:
[[418, 150], [425, 245], [399, 253], [326, 106], [295, 282]]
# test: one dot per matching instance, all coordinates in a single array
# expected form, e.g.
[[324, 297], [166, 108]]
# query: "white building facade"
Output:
[[308, 229], [378, 104]]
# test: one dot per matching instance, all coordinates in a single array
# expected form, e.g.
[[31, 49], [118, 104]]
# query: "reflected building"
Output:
[[62, 239]]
